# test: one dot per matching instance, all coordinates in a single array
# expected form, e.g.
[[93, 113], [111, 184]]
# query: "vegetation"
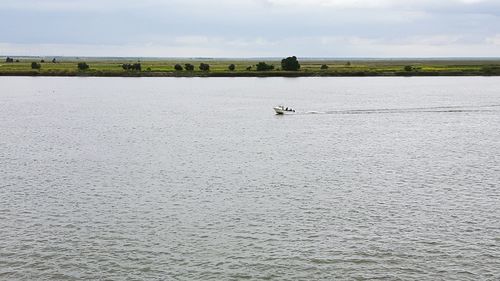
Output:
[[134, 66], [262, 66], [491, 69], [35, 65], [290, 64], [204, 67], [9, 60], [231, 67], [408, 68], [178, 67], [82, 66], [326, 67]]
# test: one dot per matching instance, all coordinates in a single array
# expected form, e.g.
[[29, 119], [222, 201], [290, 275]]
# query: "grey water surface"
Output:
[[197, 179]]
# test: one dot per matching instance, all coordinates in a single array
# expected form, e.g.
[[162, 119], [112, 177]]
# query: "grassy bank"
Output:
[[246, 68]]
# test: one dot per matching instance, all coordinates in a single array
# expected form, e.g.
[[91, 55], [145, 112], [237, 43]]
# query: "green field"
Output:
[[219, 67]]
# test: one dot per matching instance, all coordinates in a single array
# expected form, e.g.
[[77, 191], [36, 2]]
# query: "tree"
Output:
[[82, 66], [262, 66], [249, 68], [54, 60], [35, 65], [135, 66], [408, 68], [348, 63], [290, 64], [324, 67], [42, 61], [178, 67], [189, 67], [9, 60], [204, 67], [231, 67]]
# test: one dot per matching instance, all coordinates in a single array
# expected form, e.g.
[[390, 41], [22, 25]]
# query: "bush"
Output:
[[262, 66], [17, 60], [290, 64], [54, 60], [35, 65], [348, 63], [491, 70], [324, 67], [204, 67], [42, 61], [189, 67], [249, 68], [178, 67], [83, 66], [9, 60], [135, 66], [408, 68], [231, 67]]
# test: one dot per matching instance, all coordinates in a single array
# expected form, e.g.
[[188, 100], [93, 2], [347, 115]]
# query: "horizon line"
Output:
[[257, 58]]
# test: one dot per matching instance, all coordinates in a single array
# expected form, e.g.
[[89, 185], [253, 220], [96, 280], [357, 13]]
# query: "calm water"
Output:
[[197, 179]]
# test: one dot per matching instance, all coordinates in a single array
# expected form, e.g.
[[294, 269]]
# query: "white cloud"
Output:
[[250, 27], [495, 40]]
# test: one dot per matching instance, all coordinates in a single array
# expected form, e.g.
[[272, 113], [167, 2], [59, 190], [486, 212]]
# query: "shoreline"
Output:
[[69, 67], [253, 74]]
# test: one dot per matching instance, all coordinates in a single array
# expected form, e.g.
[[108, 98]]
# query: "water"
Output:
[[196, 179]]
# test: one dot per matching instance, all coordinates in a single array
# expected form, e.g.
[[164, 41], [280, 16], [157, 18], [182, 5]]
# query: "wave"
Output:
[[435, 109]]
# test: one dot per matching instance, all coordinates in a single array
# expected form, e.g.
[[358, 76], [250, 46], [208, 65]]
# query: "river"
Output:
[[197, 179]]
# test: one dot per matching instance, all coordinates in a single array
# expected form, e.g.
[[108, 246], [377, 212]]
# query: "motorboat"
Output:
[[281, 110]]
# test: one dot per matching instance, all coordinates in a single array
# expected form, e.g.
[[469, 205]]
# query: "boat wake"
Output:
[[437, 109]]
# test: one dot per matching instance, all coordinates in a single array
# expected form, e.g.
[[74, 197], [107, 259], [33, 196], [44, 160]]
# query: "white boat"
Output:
[[281, 110]]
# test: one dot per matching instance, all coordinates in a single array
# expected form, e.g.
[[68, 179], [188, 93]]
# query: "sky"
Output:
[[251, 28]]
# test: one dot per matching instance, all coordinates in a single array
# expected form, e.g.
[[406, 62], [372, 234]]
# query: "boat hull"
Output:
[[281, 111]]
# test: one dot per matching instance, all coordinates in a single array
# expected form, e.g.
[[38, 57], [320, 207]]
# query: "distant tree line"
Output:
[[190, 67]]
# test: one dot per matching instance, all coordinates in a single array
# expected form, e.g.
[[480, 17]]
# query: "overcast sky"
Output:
[[251, 28]]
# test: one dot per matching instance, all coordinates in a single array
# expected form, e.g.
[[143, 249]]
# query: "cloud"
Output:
[[495, 40], [251, 27]]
